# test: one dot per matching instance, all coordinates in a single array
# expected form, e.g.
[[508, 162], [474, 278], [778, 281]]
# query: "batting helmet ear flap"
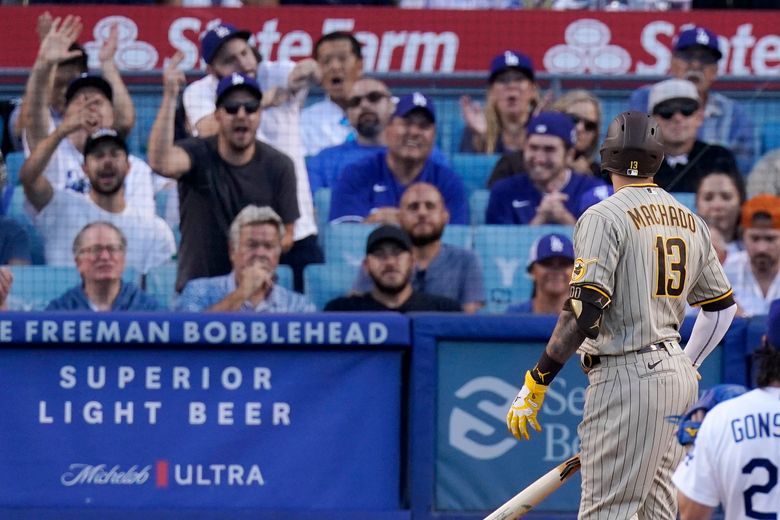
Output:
[[633, 146]]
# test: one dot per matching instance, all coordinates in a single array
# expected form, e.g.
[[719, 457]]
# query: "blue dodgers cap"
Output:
[[415, 101], [698, 36], [215, 38], [511, 60], [550, 246], [773, 324], [236, 81], [554, 123]]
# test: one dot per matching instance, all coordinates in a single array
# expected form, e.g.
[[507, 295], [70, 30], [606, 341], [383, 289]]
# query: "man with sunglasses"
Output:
[[99, 252], [226, 50], [695, 58], [676, 106], [220, 175]]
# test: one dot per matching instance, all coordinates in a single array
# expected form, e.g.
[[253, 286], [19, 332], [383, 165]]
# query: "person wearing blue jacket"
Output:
[[99, 250]]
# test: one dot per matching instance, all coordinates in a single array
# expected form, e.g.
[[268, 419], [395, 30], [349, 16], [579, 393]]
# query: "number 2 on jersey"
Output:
[[771, 471], [672, 258]]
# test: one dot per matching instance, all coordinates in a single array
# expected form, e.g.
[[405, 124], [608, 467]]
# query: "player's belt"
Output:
[[589, 361]]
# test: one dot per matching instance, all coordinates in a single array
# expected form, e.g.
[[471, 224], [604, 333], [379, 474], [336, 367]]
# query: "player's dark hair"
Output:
[[339, 35], [767, 359], [80, 61], [739, 184]]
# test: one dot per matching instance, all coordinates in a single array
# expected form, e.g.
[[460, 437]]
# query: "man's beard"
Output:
[[106, 192], [428, 238], [391, 290], [368, 127]]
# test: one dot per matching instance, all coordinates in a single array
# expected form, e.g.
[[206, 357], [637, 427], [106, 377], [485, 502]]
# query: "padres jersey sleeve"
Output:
[[597, 249], [712, 287]]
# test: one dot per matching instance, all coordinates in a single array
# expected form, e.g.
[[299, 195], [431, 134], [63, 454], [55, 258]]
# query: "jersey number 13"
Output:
[[672, 260]]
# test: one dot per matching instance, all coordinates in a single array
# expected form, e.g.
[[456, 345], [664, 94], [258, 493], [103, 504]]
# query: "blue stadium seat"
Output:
[[16, 212], [160, 282], [503, 253], [323, 282], [346, 243], [687, 199], [36, 285], [284, 276], [13, 164], [322, 211], [474, 169], [770, 137], [478, 202]]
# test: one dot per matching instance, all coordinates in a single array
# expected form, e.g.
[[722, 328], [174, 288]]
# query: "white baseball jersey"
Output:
[[736, 459]]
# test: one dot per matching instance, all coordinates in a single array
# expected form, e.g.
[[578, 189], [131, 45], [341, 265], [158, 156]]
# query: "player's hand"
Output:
[[173, 77], [62, 33], [525, 407]]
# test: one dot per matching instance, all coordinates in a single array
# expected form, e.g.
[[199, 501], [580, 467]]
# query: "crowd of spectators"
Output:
[[253, 154]]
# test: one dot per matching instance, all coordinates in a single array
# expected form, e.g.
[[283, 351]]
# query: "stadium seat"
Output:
[[687, 199], [474, 169], [13, 164], [770, 137], [160, 282], [478, 202], [323, 282], [346, 243], [16, 212], [322, 212], [503, 253], [284, 276], [35, 286]]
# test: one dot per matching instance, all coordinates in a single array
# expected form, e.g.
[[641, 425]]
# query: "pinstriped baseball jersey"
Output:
[[650, 255]]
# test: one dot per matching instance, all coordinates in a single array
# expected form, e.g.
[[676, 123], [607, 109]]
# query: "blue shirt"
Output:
[[369, 184], [130, 298], [524, 307], [514, 200], [454, 273], [14, 242], [201, 293], [325, 168], [725, 123]]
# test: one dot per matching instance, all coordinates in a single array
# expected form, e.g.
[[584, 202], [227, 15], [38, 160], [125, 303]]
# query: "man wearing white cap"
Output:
[[676, 106]]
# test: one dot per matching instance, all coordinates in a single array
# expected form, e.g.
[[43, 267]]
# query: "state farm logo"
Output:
[[101, 475], [587, 49]]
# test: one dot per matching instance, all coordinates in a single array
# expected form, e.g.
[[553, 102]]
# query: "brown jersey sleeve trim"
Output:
[[715, 304]]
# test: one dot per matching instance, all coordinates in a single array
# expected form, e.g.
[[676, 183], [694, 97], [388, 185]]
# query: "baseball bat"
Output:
[[540, 489]]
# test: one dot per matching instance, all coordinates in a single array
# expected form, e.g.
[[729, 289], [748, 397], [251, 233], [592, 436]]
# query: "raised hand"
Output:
[[173, 77], [43, 25], [62, 33], [108, 49], [473, 115], [82, 114]]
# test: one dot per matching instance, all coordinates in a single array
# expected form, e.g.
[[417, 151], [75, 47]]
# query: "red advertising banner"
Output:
[[427, 41]]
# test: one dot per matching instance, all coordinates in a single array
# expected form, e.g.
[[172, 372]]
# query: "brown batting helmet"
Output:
[[633, 146]]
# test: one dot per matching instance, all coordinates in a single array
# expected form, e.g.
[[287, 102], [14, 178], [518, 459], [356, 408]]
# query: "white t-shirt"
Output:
[[747, 292], [279, 127], [150, 241], [323, 124], [736, 453], [65, 172]]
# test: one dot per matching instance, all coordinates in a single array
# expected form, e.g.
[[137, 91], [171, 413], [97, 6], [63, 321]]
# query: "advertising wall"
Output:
[[401, 40]]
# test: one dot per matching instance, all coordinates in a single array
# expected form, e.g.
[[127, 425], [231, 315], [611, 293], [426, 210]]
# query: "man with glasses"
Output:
[[695, 58], [60, 213], [390, 264], [370, 190], [677, 109], [221, 174], [255, 245], [99, 251]]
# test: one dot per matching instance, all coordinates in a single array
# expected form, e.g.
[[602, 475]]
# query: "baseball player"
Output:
[[641, 256], [736, 456]]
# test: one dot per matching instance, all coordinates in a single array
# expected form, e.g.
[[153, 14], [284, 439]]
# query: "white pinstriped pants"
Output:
[[628, 449]]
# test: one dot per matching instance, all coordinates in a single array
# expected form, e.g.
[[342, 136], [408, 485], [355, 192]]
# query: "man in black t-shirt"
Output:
[[389, 263], [220, 175]]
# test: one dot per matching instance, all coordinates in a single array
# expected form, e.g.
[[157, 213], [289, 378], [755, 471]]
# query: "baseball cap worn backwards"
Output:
[[672, 89], [511, 60], [214, 39], [415, 101], [388, 233], [761, 207], [101, 135], [550, 246], [237, 81], [87, 80], [554, 123], [698, 36]]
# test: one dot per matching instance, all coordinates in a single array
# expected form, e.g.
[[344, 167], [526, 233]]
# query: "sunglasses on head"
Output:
[[372, 97], [232, 107], [590, 126], [668, 111]]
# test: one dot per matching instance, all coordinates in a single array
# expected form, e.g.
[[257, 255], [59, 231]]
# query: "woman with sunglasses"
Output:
[[512, 97], [585, 109]]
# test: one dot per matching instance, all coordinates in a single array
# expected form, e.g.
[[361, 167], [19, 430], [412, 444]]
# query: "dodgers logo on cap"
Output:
[[702, 38], [511, 59], [419, 100]]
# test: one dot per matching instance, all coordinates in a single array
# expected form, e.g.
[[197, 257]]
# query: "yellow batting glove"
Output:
[[525, 407]]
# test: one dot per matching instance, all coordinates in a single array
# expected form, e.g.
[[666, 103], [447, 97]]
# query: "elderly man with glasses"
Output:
[[99, 252], [677, 108], [695, 58]]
